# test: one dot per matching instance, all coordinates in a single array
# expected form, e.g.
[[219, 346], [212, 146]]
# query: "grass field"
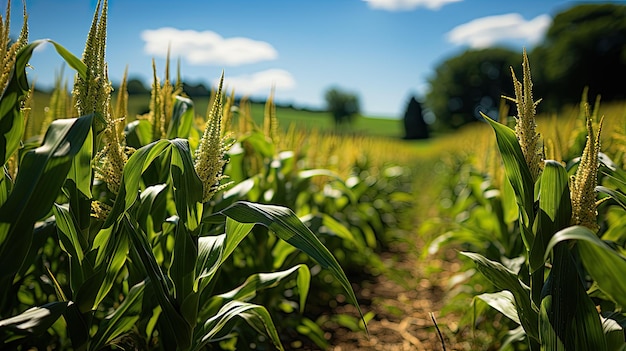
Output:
[[303, 119]]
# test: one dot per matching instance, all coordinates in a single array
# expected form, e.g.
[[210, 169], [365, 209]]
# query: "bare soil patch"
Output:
[[404, 301]]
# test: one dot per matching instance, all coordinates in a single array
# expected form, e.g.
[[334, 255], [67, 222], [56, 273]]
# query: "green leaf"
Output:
[[502, 302], [11, 116], [569, 318], [187, 185], [260, 281], [131, 178], [257, 316], [152, 208], [171, 317], [71, 60], [517, 171], [209, 257], [311, 330], [555, 213], [287, 226], [116, 254], [70, 242], [214, 250], [41, 175], [603, 264], [504, 279], [34, 321], [69, 237], [549, 340], [321, 222], [138, 133], [619, 197], [122, 320], [182, 118], [183, 270], [259, 143]]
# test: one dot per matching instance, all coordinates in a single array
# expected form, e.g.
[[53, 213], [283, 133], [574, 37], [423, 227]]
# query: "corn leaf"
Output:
[[555, 212], [504, 279], [69, 238], [255, 315], [517, 172], [503, 302], [187, 185], [568, 318], [173, 320], [210, 250], [549, 339], [122, 320], [116, 253], [34, 321], [42, 173], [70, 242], [77, 188], [215, 249], [138, 133], [73, 61], [603, 264], [287, 226], [619, 197], [11, 117], [131, 178], [182, 271], [182, 118], [260, 281], [321, 222], [152, 208], [259, 143]]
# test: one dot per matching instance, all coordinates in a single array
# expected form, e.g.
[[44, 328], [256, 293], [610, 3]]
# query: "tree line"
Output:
[[585, 46]]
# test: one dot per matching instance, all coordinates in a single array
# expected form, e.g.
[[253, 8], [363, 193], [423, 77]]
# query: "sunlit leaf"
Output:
[[517, 171], [182, 118], [603, 263], [34, 321], [287, 226], [11, 115], [257, 316], [42, 173], [503, 302], [504, 279]]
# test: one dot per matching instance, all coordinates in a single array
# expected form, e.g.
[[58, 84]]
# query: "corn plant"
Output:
[[569, 293], [110, 233]]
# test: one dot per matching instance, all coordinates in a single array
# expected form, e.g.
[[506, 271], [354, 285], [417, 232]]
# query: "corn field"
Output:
[[180, 230], [541, 221], [170, 231]]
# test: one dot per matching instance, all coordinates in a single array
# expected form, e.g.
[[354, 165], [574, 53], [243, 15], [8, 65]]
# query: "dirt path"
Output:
[[403, 300]]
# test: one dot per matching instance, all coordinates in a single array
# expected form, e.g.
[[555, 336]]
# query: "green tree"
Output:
[[415, 126], [470, 83], [343, 105], [136, 87], [584, 46]]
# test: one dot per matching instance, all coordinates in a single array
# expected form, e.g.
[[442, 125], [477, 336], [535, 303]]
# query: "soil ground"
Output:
[[404, 301]]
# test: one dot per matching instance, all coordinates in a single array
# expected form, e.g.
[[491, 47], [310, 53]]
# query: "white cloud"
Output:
[[260, 82], [207, 47], [407, 5], [486, 31]]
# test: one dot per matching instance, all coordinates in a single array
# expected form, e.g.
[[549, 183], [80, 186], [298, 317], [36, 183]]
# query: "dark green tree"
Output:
[[196, 90], [473, 82], [584, 46], [343, 105], [136, 87], [415, 126]]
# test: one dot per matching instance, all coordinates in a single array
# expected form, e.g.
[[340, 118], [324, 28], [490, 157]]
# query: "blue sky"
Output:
[[382, 50]]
